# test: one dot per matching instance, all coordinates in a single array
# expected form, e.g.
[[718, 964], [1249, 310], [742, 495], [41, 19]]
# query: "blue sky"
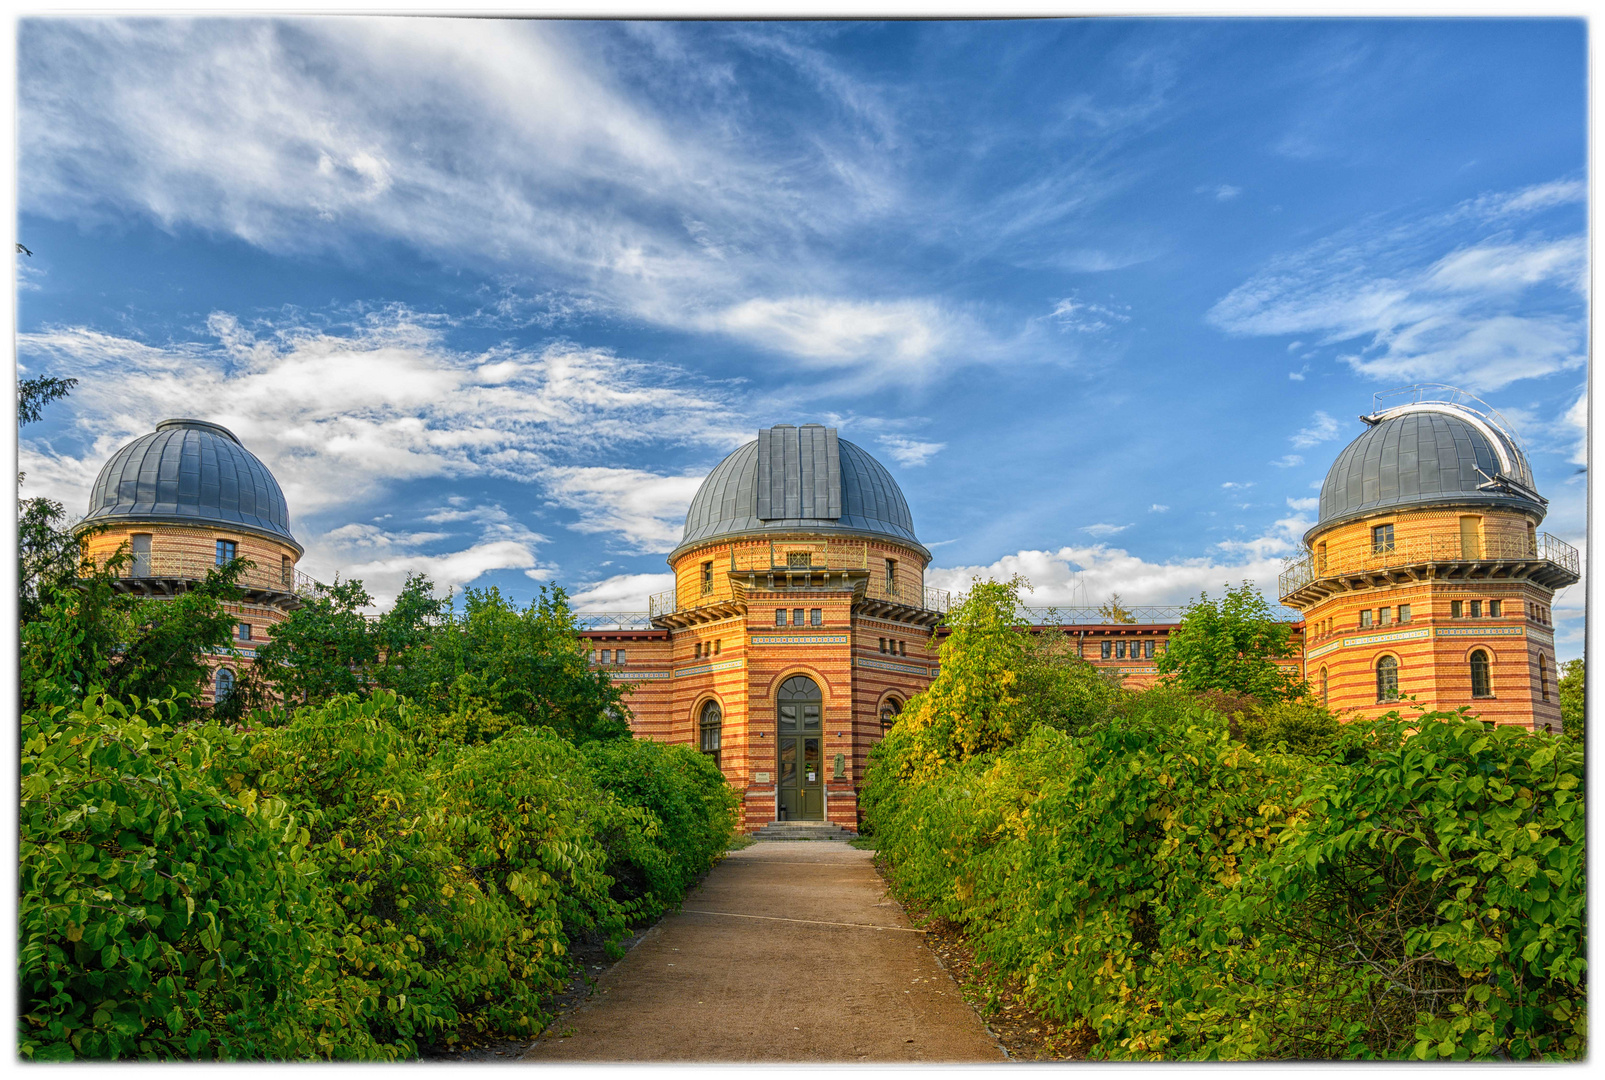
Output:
[[1107, 296]]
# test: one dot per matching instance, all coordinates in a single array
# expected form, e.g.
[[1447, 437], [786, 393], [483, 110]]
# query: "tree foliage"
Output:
[[1231, 645], [1572, 711]]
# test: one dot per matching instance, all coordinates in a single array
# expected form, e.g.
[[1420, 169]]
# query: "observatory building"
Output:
[[187, 498]]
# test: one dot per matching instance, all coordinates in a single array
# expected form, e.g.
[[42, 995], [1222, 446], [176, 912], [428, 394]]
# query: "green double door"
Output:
[[800, 744]]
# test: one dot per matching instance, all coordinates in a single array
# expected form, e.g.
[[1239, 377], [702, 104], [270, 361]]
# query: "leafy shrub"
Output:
[[159, 915], [688, 816]]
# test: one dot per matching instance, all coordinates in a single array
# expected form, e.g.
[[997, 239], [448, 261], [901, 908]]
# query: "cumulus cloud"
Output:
[[342, 414], [622, 592], [1458, 297]]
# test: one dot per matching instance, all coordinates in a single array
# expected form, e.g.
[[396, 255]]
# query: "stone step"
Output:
[[803, 830]]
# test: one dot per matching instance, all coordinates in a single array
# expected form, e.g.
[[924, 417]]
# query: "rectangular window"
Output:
[[286, 573], [1494, 609], [607, 656], [1384, 616], [882, 643], [1320, 558], [816, 616], [716, 645], [891, 576], [1476, 609], [1365, 619], [797, 616], [696, 651], [902, 648], [1471, 538], [1120, 650], [1454, 609], [780, 616], [707, 578], [618, 657], [1404, 613], [242, 631], [1381, 538], [1148, 650], [140, 549], [226, 552], [1106, 648]]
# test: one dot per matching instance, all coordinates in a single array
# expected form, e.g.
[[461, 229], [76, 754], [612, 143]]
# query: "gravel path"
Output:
[[787, 952]]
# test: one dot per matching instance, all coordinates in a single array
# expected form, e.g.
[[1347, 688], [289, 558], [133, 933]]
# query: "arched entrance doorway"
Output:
[[799, 742]]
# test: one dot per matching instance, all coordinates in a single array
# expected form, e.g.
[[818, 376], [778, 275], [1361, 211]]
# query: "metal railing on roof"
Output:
[[1421, 550], [167, 566], [1152, 613], [613, 620], [915, 596]]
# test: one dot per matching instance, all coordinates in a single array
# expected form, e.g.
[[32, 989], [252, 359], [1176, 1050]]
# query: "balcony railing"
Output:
[[159, 566], [1421, 550], [926, 599], [613, 620], [1091, 616]]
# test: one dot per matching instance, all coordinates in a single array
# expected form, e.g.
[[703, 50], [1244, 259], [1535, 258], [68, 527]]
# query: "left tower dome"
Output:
[[190, 472]]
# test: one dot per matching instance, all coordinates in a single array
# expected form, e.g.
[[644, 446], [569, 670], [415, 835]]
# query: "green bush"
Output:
[[160, 914], [687, 816]]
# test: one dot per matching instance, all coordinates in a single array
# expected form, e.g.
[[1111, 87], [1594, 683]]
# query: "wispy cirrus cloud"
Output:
[[1458, 297], [1322, 427]]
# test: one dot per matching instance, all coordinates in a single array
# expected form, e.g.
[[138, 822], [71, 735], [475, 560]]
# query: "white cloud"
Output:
[[1235, 485], [1577, 418], [910, 452], [1322, 428], [1104, 529], [906, 335], [1305, 506], [644, 510], [1221, 192], [1158, 508], [1086, 317], [1288, 461], [339, 417], [1456, 297], [622, 592]]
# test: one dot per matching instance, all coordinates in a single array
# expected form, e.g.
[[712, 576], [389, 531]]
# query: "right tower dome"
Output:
[[1425, 575]]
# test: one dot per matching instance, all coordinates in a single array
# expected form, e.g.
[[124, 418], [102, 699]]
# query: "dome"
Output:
[[190, 472], [798, 479], [1427, 453]]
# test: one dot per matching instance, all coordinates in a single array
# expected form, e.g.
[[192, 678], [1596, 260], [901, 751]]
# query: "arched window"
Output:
[[1543, 677], [223, 684], [1479, 675], [889, 714], [1387, 679], [712, 723], [1326, 697]]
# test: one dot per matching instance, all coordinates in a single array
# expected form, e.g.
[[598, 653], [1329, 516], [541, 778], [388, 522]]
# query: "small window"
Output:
[[797, 617], [707, 578], [798, 560], [226, 552], [883, 643], [618, 657], [1479, 675], [1404, 613], [1148, 650], [1454, 609], [711, 724], [1365, 619], [891, 573], [1387, 679], [1120, 650], [696, 651], [1384, 616], [816, 617], [1476, 609], [780, 616], [1494, 608], [902, 648], [224, 684], [1320, 558], [607, 656], [1326, 696], [286, 572], [716, 645], [1106, 648], [1543, 677], [242, 631], [1381, 538]]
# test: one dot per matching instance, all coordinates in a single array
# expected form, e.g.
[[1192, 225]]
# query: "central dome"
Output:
[[798, 479]]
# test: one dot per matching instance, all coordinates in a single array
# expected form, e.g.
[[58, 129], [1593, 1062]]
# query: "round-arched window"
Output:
[[712, 723], [798, 703], [1387, 679], [889, 714], [223, 685], [1480, 685]]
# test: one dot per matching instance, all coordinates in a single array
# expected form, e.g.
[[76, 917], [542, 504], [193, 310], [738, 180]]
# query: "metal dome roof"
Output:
[[795, 479], [190, 472], [1428, 452]]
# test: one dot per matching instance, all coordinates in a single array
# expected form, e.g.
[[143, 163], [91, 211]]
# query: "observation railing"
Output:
[[613, 620], [1091, 616], [915, 596], [1420, 550], [158, 566]]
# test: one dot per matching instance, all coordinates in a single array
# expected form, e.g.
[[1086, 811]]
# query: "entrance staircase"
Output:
[[803, 830]]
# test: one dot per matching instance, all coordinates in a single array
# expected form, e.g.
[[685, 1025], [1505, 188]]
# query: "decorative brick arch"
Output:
[[800, 669]]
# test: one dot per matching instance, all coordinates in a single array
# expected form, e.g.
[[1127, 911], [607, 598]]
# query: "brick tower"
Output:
[[184, 499], [798, 626], [1426, 575]]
